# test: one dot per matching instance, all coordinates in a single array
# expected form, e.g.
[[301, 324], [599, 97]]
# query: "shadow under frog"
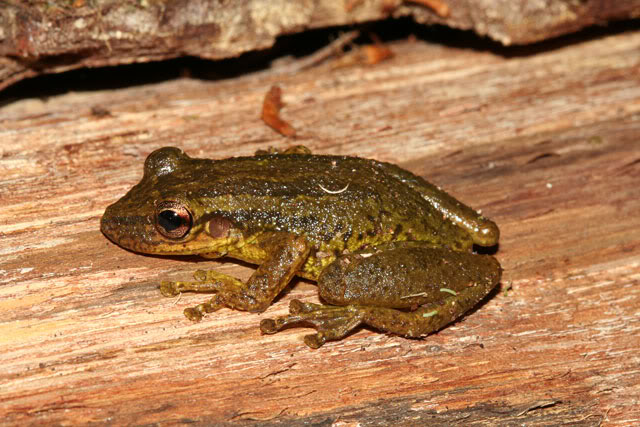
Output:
[[386, 248]]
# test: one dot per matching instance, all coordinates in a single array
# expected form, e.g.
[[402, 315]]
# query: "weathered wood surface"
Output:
[[547, 145], [53, 36]]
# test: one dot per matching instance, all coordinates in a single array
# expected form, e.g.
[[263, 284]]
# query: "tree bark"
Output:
[[43, 36]]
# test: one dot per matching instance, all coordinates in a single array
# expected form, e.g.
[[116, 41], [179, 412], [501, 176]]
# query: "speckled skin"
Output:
[[295, 213]]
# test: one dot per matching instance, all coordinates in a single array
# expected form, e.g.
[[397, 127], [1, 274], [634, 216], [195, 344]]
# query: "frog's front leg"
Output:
[[408, 291], [269, 279]]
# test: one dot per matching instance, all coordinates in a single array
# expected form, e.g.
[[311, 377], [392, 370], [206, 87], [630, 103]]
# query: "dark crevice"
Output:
[[293, 46]]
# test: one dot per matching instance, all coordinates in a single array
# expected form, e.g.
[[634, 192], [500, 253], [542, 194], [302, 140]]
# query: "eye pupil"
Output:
[[173, 220], [170, 220]]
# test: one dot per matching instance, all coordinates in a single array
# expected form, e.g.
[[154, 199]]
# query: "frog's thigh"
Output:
[[405, 275], [410, 290]]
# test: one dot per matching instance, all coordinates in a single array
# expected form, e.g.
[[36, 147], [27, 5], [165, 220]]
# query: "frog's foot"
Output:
[[206, 281], [331, 322]]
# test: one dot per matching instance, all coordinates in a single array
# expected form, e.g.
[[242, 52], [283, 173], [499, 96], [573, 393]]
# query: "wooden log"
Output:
[[545, 144], [43, 36]]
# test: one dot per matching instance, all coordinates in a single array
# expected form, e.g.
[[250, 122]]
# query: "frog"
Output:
[[387, 249]]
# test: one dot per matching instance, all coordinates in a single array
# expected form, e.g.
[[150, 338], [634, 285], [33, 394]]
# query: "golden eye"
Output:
[[173, 219]]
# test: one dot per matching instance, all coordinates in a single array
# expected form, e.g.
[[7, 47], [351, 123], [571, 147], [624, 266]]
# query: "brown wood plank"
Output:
[[545, 144]]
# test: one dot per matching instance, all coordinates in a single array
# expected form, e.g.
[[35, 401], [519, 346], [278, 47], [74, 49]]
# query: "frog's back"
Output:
[[336, 202]]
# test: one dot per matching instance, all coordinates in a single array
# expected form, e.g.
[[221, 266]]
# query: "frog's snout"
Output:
[[125, 231], [108, 224]]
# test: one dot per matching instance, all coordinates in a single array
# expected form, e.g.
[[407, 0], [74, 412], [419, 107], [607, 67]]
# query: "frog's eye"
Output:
[[173, 220]]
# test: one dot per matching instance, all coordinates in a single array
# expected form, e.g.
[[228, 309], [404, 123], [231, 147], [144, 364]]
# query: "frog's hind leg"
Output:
[[335, 322], [410, 291]]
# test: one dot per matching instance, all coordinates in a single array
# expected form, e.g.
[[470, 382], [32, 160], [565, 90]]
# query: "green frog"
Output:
[[387, 249]]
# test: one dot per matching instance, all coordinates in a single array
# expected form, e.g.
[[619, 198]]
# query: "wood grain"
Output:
[[48, 36], [545, 144]]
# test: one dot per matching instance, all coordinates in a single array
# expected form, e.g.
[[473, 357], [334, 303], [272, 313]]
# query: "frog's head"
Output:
[[158, 216]]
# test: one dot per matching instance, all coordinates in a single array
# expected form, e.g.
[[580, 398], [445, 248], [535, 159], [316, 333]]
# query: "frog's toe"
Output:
[[314, 340], [296, 307], [193, 314], [200, 275], [269, 326], [169, 289], [197, 313]]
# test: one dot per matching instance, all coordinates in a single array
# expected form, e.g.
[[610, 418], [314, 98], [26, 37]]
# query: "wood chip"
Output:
[[271, 112]]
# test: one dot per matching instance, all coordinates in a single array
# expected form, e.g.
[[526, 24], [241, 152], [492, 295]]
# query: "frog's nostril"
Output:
[[108, 224]]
